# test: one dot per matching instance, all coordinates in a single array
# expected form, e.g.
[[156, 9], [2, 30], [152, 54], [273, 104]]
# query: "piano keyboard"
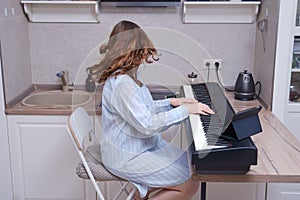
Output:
[[206, 129]]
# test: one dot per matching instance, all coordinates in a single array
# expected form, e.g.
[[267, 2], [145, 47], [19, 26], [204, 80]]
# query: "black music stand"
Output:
[[243, 124]]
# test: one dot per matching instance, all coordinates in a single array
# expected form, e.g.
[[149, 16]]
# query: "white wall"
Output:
[[5, 172], [59, 46], [264, 63], [15, 49]]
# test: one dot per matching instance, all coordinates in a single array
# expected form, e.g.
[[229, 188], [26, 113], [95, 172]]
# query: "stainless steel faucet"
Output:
[[64, 75]]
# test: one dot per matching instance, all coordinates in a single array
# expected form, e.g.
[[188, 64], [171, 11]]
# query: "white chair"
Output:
[[79, 126]]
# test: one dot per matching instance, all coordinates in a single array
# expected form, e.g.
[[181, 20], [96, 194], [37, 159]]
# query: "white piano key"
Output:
[[188, 91], [198, 133]]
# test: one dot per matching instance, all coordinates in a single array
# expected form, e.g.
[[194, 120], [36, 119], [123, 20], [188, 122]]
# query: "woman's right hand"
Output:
[[182, 101], [199, 108]]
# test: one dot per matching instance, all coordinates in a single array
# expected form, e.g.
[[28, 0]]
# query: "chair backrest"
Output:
[[79, 125]]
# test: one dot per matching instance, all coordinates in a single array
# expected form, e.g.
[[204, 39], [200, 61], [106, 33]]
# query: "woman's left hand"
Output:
[[181, 101]]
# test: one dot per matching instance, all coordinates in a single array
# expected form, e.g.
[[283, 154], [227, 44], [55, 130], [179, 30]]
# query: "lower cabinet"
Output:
[[283, 191], [44, 160], [236, 191]]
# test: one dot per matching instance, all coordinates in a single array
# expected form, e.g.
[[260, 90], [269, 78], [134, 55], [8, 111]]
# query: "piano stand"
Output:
[[203, 190]]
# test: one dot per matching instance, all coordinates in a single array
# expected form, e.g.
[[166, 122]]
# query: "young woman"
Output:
[[132, 122]]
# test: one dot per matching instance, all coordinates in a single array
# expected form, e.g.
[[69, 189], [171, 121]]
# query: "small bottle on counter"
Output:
[[90, 84]]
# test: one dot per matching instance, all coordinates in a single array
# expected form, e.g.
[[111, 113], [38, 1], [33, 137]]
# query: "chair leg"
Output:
[[131, 194], [124, 189], [100, 195]]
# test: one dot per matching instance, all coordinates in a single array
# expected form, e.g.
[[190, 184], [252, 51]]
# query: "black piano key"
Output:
[[212, 124]]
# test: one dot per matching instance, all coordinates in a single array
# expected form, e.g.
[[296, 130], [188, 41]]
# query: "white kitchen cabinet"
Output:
[[62, 11], [44, 159], [235, 191], [280, 191], [220, 11]]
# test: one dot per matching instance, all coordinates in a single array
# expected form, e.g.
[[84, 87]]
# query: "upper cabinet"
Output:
[[62, 11], [233, 11], [194, 11]]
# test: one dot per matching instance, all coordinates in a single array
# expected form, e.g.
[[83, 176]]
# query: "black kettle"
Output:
[[245, 88]]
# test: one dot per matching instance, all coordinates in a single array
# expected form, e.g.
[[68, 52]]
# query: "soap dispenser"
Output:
[[90, 84]]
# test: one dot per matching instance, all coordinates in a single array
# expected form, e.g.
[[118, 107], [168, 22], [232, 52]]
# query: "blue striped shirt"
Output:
[[131, 143]]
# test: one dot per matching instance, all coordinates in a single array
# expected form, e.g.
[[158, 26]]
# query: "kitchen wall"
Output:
[[14, 48], [265, 60], [5, 172], [60, 46], [34, 52]]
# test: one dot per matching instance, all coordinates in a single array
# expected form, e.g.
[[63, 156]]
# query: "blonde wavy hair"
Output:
[[127, 48]]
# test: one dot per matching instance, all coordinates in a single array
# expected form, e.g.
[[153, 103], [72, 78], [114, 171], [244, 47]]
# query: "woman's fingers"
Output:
[[206, 109], [193, 105], [199, 108], [181, 101], [189, 100]]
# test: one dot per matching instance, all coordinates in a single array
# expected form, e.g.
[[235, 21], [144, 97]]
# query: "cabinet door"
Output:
[[283, 191], [235, 191], [44, 160]]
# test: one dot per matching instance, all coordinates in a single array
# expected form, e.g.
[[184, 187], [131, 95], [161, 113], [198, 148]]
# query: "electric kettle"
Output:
[[245, 88]]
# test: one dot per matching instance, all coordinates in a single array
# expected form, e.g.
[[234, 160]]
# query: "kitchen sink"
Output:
[[57, 99]]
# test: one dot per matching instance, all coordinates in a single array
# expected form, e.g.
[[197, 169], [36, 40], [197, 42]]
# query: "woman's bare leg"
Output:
[[183, 191], [138, 197]]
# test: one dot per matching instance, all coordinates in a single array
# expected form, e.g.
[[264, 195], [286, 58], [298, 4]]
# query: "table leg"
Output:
[[203, 190]]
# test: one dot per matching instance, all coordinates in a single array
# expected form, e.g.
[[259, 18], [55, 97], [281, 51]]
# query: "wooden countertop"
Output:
[[278, 152]]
